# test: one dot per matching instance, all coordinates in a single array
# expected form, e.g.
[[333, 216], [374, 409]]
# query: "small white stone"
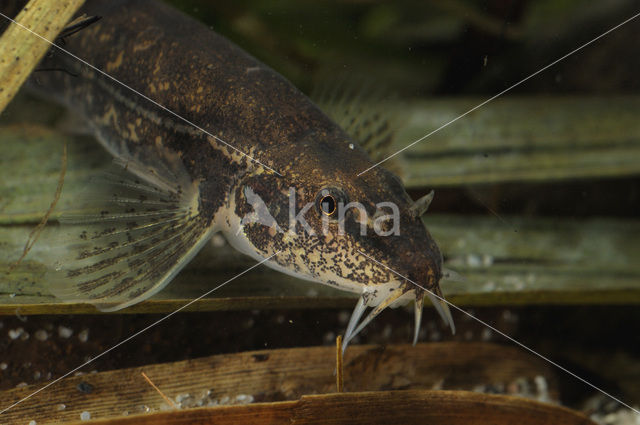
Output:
[[486, 334], [329, 338], [181, 397], [61, 406], [3, 366], [351, 146], [83, 336], [244, 398], [16, 333], [32, 422], [85, 416], [64, 332], [248, 324], [387, 331], [41, 335], [21, 385], [343, 317]]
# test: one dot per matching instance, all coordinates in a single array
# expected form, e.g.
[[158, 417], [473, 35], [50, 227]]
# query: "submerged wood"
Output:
[[284, 374], [371, 408], [525, 139]]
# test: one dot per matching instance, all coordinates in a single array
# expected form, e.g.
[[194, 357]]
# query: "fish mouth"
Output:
[[404, 291]]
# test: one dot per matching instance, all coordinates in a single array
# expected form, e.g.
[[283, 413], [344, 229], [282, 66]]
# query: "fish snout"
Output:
[[421, 264]]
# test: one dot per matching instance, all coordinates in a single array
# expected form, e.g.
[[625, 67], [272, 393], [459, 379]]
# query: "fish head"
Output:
[[326, 223]]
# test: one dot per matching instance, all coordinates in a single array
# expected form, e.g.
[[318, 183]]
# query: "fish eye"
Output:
[[328, 205], [327, 201]]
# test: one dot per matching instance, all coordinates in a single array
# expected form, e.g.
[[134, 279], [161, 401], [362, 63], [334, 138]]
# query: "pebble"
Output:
[[3, 366], [329, 338], [41, 335], [64, 332], [486, 334], [83, 336], [509, 317], [85, 387], [244, 398], [32, 422], [343, 317], [248, 324], [16, 333], [85, 416], [61, 406], [387, 331]]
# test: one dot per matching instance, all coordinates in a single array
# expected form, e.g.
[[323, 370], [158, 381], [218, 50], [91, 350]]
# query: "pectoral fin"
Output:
[[137, 229]]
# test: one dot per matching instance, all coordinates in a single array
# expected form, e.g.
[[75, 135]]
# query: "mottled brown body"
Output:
[[202, 77]]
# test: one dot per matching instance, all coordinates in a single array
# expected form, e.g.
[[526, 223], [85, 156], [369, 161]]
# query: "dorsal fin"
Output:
[[362, 109]]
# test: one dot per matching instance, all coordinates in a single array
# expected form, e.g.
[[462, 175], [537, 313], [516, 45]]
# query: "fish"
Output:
[[206, 139]]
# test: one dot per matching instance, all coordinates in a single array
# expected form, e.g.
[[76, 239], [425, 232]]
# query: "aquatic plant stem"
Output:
[[20, 52]]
